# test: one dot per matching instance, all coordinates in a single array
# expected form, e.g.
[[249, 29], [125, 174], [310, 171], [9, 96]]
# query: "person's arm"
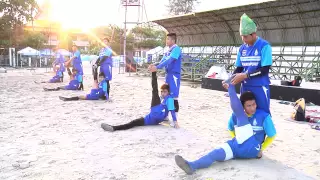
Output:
[[79, 78], [267, 142], [105, 88], [266, 62], [238, 70], [171, 109], [266, 56], [76, 54], [162, 59], [95, 85], [258, 72], [231, 127], [270, 131], [238, 61], [174, 55]]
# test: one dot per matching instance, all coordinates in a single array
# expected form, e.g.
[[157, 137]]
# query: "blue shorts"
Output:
[[155, 116], [173, 80], [248, 149], [95, 94], [262, 95], [107, 70]]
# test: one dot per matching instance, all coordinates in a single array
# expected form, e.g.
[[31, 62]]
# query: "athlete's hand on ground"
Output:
[[239, 77], [260, 155], [176, 125], [225, 85]]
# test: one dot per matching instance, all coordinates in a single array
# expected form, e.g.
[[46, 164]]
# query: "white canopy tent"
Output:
[[156, 50], [152, 54], [28, 51], [64, 52]]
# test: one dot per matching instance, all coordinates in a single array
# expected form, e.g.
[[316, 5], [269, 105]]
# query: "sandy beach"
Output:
[[42, 137]]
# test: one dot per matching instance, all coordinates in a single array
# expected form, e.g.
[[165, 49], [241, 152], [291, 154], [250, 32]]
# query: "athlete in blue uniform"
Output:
[[172, 63], [160, 109], [56, 79], [105, 62], [74, 84], [76, 63], [58, 64], [248, 127], [98, 91], [253, 63]]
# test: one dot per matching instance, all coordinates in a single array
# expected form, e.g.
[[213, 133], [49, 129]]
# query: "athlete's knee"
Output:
[[226, 148]]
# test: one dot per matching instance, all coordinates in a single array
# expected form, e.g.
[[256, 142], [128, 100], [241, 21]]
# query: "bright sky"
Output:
[[91, 13]]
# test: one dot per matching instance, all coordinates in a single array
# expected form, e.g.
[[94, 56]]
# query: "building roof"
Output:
[[281, 22]]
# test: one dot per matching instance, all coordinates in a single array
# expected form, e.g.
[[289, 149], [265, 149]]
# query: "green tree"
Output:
[[179, 7], [115, 34], [65, 41], [138, 37], [13, 13], [147, 37], [34, 40]]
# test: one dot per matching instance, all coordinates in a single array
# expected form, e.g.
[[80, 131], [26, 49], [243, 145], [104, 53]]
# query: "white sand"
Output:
[[42, 137]]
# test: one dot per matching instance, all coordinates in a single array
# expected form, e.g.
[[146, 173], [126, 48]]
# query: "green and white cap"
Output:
[[247, 25]]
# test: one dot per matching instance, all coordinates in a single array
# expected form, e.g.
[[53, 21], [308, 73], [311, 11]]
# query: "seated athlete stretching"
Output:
[[248, 127], [97, 92], [160, 109], [74, 83]]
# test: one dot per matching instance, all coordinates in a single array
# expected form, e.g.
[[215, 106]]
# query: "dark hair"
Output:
[[106, 38], [173, 36], [165, 86], [101, 74], [247, 96]]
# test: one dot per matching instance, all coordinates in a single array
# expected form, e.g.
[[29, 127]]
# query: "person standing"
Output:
[[253, 62], [171, 61]]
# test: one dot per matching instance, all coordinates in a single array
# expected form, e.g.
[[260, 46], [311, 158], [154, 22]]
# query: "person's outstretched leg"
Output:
[[220, 154], [136, 122], [81, 86], [53, 89], [76, 98], [244, 129], [155, 92], [69, 71], [108, 89]]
